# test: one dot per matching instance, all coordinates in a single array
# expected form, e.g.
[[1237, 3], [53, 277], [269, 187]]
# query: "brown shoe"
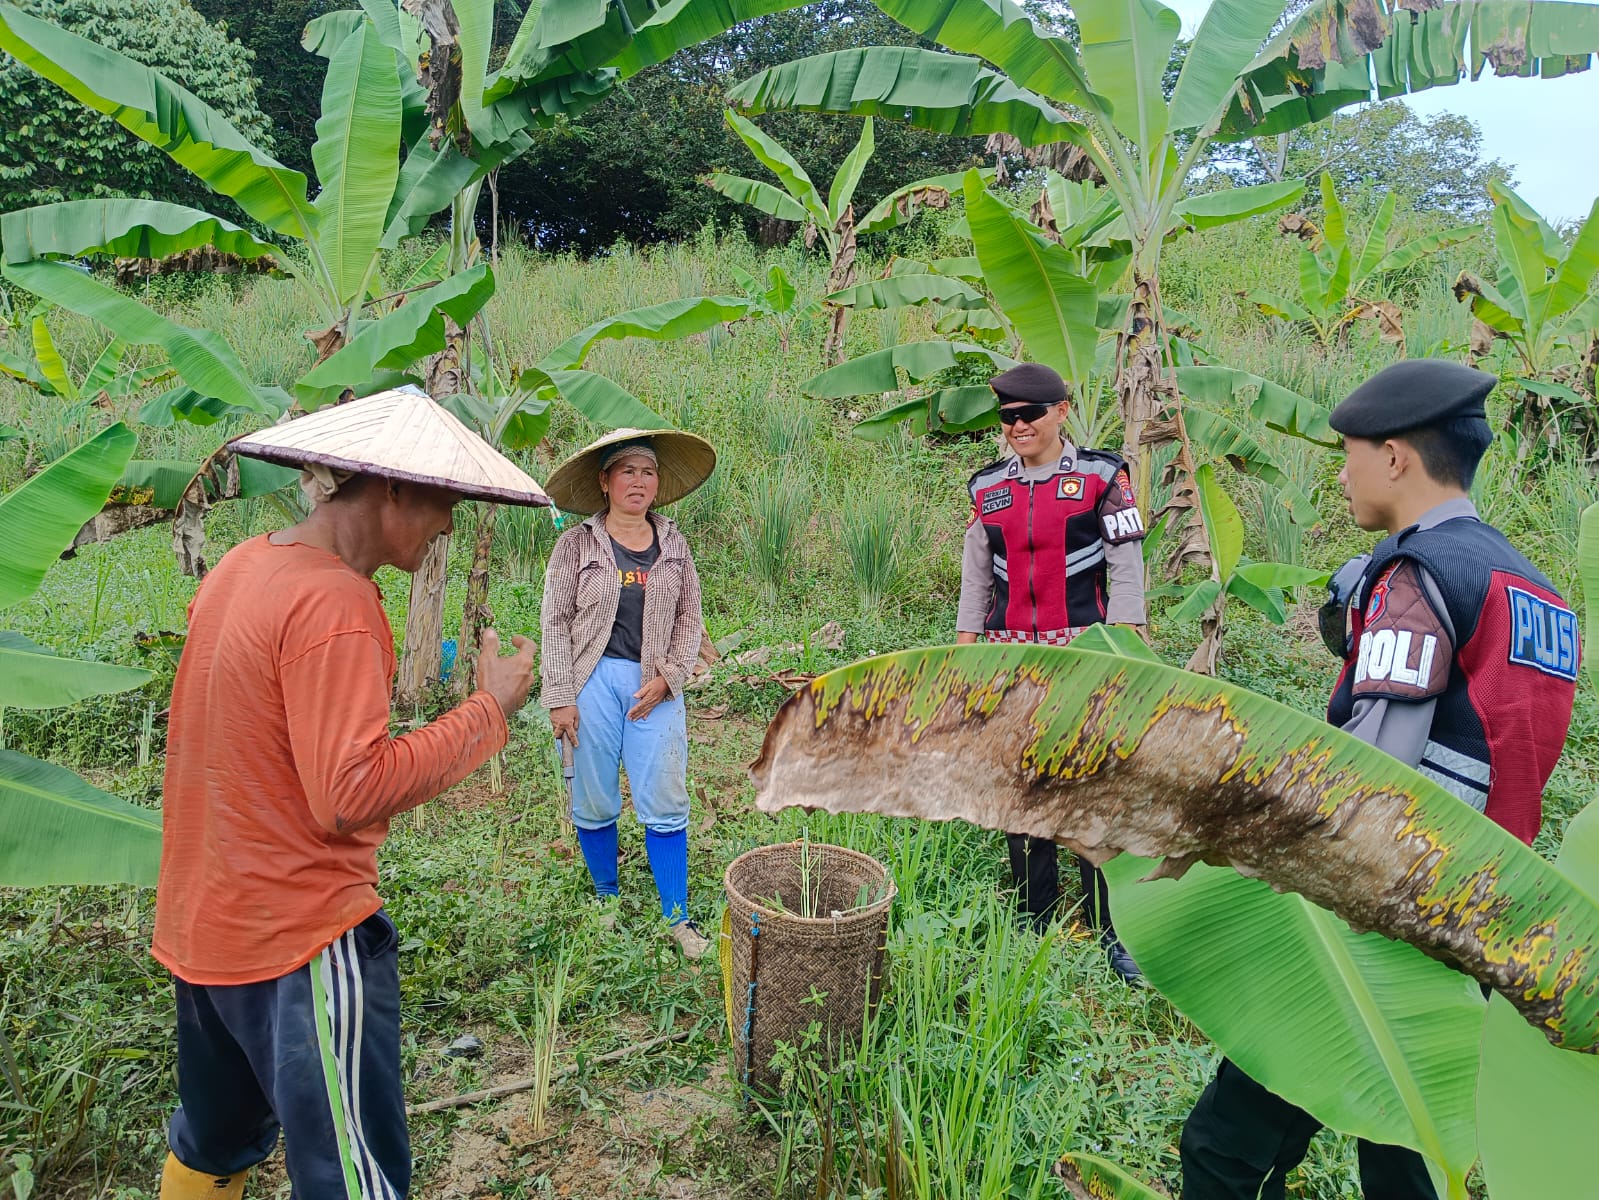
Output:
[[690, 940]]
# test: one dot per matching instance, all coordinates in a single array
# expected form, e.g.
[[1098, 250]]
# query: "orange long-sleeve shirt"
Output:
[[281, 775]]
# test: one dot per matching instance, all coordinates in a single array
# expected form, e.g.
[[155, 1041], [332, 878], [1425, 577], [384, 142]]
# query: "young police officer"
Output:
[[1051, 526], [1460, 659]]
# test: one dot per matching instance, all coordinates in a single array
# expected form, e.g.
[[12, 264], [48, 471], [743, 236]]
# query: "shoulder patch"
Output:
[[1543, 634], [1404, 650]]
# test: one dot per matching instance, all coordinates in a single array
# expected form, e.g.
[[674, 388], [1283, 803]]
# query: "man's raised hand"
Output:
[[507, 678]]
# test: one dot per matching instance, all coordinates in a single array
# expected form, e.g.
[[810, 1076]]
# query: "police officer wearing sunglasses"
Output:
[[1459, 659], [1052, 547]]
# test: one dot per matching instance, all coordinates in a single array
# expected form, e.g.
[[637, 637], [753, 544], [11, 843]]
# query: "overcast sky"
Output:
[[1544, 128]]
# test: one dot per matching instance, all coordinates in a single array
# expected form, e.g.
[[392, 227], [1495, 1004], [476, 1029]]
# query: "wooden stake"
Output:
[[523, 1085]]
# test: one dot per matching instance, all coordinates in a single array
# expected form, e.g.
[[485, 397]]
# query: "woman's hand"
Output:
[[648, 696], [564, 719]]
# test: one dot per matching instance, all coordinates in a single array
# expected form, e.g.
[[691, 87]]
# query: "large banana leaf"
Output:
[[760, 196], [357, 157], [1341, 52], [39, 519], [427, 183], [945, 93], [159, 482], [167, 116], [1089, 1177], [601, 400], [678, 24], [947, 410], [841, 193], [1033, 281], [1000, 32], [51, 365], [1588, 572], [1535, 1106], [1218, 437], [33, 677], [1223, 522], [900, 205], [1108, 755], [776, 159], [1265, 974], [1280, 409], [1228, 38], [206, 362], [1209, 209], [658, 322], [879, 370], [1127, 45], [120, 227], [57, 829], [899, 291], [399, 338]]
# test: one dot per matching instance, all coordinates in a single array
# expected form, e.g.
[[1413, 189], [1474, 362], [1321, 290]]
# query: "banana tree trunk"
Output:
[[841, 277], [475, 614], [424, 625], [1152, 416]]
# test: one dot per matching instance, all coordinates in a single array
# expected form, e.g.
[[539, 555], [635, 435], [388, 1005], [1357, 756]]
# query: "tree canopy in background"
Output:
[[55, 149], [1434, 164]]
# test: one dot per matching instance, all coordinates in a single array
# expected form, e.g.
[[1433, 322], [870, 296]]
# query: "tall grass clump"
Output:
[[875, 538], [779, 511]]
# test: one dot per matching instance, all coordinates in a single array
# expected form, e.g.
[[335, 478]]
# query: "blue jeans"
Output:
[[654, 752]]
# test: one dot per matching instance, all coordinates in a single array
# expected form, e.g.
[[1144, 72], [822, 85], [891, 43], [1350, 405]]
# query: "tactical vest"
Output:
[[1047, 542], [1500, 723]]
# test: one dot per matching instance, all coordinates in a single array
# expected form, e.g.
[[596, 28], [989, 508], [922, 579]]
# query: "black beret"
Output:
[[1412, 393], [1029, 383]]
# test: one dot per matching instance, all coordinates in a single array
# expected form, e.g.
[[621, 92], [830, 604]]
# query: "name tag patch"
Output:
[[1386, 654], [1119, 526], [1543, 635], [998, 501]]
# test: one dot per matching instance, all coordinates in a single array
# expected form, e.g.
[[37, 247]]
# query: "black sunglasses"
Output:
[[1023, 412]]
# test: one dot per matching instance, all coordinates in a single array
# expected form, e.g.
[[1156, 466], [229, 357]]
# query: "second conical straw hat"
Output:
[[683, 461], [399, 434]]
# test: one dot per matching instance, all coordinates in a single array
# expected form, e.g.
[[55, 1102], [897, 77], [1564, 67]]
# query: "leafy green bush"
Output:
[[55, 149]]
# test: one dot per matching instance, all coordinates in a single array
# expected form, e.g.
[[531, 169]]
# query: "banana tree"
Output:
[[1104, 748], [56, 828], [1104, 95], [403, 136], [830, 219], [1544, 304], [1341, 283]]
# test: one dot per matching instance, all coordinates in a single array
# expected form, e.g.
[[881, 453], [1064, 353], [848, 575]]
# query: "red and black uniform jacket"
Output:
[[1500, 661], [1048, 538]]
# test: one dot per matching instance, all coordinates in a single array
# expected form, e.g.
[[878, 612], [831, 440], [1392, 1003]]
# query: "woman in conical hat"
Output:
[[621, 629], [281, 779]]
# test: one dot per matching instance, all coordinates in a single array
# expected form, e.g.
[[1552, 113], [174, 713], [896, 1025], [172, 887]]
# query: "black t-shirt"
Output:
[[627, 632]]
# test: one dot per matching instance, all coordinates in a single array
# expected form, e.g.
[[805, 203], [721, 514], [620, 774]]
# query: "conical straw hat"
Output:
[[398, 434], [684, 461]]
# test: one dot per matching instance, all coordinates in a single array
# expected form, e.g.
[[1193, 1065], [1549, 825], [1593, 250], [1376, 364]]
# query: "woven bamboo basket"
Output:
[[775, 960]]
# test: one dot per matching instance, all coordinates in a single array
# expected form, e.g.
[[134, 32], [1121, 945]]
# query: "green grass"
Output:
[[994, 1051]]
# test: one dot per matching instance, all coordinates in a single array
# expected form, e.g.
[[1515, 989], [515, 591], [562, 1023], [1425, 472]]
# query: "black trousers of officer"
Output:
[[1035, 874], [1241, 1141]]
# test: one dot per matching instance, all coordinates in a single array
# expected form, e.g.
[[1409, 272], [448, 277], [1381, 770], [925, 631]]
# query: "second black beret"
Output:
[[1412, 393]]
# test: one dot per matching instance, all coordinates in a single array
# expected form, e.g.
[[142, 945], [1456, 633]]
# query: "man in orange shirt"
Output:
[[281, 779]]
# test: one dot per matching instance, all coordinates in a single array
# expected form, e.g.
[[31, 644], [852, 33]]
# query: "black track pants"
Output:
[[1035, 874], [1241, 1141]]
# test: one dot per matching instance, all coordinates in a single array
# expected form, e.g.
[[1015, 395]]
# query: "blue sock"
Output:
[[668, 853], [599, 852]]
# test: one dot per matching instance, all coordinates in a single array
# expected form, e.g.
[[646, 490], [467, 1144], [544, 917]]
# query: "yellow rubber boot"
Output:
[[179, 1182]]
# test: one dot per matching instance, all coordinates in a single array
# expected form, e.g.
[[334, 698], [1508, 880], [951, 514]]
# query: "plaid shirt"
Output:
[[582, 590]]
